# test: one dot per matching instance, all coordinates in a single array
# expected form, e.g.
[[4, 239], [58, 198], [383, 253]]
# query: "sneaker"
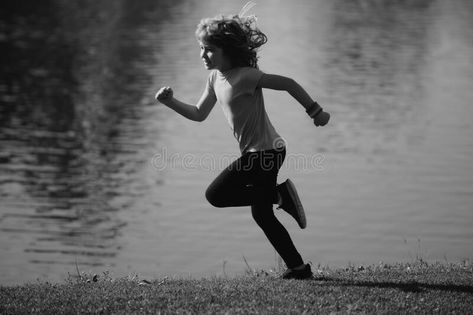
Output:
[[291, 202], [302, 274]]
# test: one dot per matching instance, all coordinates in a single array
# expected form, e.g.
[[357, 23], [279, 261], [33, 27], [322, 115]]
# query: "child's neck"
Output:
[[226, 68]]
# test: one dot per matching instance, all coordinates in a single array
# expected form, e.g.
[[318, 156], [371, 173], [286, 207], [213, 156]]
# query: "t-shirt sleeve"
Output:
[[210, 83], [251, 79]]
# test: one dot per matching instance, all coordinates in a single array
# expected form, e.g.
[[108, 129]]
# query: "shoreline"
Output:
[[387, 288]]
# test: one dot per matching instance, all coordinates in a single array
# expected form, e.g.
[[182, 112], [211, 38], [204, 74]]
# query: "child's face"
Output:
[[213, 57]]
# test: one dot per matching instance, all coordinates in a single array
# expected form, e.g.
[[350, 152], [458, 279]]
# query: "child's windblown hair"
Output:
[[237, 35]]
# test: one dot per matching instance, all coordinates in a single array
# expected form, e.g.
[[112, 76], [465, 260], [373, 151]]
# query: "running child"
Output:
[[228, 48]]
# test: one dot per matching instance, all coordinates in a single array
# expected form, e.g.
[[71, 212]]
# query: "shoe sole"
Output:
[[299, 208]]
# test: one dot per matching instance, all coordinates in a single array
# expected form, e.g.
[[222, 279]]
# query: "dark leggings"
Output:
[[251, 181]]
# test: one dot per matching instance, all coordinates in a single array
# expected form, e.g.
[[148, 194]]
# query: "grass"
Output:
[[400, 288]]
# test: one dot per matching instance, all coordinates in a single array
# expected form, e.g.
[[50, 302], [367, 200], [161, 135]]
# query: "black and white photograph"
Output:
[[236, 157]]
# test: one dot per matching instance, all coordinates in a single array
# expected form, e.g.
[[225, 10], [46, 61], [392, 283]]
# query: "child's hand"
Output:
[[164, 95], [316, 112], [321, 119]]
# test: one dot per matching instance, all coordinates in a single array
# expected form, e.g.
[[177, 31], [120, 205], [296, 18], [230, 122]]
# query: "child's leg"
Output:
[[277, 234], [251, 180], [263, 214], [235, 186]]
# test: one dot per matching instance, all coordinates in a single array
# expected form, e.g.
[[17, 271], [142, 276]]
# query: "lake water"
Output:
[[95, 174]]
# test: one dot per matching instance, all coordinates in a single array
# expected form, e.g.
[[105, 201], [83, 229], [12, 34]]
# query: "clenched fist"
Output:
[[164, 95], [321, 119], [316, 112]]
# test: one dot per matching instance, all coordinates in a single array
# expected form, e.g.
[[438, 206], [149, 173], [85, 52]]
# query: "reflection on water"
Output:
[[77, 134], [400, 164], [70, 135]]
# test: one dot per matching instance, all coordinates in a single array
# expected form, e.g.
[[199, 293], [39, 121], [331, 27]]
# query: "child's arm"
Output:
[[281, 83], [197, 112]]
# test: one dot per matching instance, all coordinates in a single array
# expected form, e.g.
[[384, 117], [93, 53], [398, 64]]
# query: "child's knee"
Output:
[[212, 197]]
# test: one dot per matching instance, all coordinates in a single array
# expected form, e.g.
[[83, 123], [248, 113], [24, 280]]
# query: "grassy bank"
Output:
[[402, 288]]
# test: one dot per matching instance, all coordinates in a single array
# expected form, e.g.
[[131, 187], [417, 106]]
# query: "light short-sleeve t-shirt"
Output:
[[243, 105]]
